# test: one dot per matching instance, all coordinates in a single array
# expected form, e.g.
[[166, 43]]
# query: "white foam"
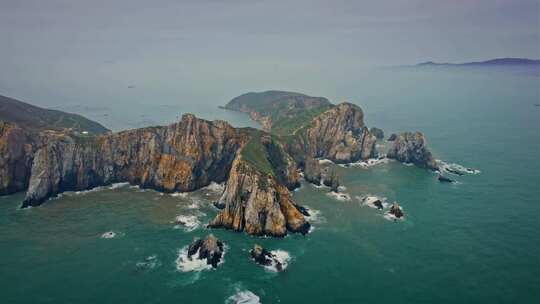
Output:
[[342, 188], [367, 163], [118, 185], [369, 201], [282, 257], [186, 264], [325, 161], [340, 196], [179, 194], [150, 262], [449, 167], [215, 187], [84, 192], [108, 235], [314, 216], [389, 216], [243, 297], [189, 222]]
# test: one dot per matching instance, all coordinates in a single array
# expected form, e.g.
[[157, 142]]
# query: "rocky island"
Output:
[[259, 167]]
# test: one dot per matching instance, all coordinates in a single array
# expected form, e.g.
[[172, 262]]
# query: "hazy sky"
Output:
[[70, 44]]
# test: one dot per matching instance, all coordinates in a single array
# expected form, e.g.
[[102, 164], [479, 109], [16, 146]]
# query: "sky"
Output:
[[57, 49]]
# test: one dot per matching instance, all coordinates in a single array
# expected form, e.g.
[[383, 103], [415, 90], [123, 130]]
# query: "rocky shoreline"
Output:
[[258, 168]]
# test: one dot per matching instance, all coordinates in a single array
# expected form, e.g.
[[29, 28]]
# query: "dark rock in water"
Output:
[[210, 249], [396, 210], [378, 133], [303, 210], [456, 172], [219, 205], [392, 137], [444, 179], [412, 148], [264, 257], [378, 204]]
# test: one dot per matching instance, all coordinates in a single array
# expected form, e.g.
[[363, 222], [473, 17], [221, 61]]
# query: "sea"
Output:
[[473, 241]]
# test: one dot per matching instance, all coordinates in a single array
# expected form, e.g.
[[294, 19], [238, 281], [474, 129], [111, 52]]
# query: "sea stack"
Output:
[[412, 148], [210, 249]]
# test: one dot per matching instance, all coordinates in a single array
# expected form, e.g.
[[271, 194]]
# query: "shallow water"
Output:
[[475, 241]]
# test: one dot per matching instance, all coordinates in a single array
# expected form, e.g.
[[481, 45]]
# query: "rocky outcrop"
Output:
[[331, 179], [264, 257], [396, 210], [378, 133], [312, 171], [16, 155], [412, 148], [283, 165], [209, 249], [258, 204], [338, 134], [180, 157]]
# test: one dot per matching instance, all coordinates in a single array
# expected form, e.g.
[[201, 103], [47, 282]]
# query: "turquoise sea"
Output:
[[476, 241]]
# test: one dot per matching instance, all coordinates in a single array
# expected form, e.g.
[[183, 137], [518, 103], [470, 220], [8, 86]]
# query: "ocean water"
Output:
[[476, 241]]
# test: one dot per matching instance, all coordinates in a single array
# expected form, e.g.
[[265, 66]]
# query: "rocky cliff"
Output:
[[412, 148], [180, 157], [258, 204], [338, 134], [16, 154]]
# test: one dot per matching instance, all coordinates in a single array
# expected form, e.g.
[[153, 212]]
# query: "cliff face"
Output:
[[16, 153], [339, 134], [412, 148], [258, 204], [180, 157]]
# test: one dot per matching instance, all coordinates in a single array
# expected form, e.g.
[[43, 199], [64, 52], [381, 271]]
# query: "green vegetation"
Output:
[[293, 124], [32, 117], [256, 154]]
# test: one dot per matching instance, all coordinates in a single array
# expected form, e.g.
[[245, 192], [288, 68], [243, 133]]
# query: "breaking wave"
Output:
[[187, 264], [243, 297], [340, 196], [150, 262], [108, 235], [369, 200], [188, 222], [455, 169], [282, 257]]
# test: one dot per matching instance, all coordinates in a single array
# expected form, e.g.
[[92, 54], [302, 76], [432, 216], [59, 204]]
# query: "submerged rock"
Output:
[[396, 210], [378, 133], [444, 179], [412, 148], [209, 249]]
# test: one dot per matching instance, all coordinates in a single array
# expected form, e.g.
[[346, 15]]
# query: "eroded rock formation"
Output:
[[209, 249], [180, 157], [258, 204], [412, 148], [338, 134]]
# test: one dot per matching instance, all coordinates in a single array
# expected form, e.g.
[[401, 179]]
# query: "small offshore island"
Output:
[[259, 167]]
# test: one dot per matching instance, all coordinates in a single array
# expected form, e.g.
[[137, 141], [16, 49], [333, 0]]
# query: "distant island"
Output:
[[36, 118], [486, 63]]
